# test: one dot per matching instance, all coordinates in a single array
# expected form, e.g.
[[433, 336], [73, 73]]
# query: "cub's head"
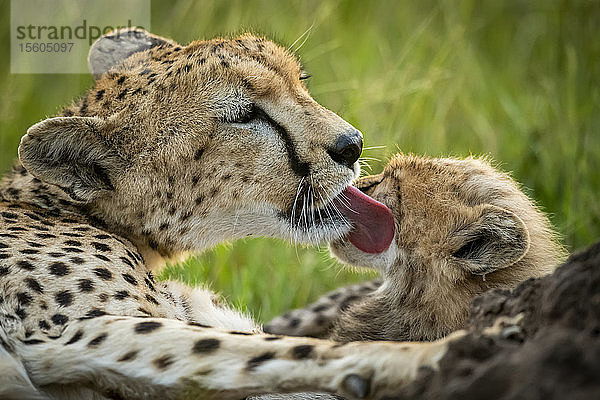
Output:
[[180, 147], [461, 227]]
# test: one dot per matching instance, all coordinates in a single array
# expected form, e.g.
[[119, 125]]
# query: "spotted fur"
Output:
[[174, 149], [317, 319]]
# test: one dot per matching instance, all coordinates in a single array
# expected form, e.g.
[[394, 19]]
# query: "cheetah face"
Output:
[[182, 147], [455, 219]]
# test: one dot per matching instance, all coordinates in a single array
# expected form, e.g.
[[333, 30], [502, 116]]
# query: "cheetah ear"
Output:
[[496, 240], [71, 153], [113, 48]]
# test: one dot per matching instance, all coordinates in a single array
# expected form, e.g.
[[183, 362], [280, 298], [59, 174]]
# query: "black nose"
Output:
[[347, 149]]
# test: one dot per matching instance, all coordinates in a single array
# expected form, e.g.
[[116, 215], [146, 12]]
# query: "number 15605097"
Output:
[[49, 47]]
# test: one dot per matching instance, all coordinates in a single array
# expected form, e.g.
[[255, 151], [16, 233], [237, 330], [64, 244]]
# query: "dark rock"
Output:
[[552, 353]]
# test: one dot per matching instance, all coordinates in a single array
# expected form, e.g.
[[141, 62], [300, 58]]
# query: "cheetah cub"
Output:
[[462, 228]]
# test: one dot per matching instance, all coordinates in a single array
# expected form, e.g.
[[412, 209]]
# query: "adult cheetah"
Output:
[[174, 149], [462, 227]]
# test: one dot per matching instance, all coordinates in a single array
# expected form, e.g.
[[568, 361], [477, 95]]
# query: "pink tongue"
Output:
[[373, 222]]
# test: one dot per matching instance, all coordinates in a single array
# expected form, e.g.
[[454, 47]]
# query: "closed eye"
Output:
[[367, 183], [251, 114]]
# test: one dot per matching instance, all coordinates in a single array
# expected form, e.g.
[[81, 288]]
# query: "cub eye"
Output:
[[367, 183], [304, 75]]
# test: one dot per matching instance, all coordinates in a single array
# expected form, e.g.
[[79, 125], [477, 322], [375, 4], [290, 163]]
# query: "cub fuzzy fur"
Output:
[[462, 228]]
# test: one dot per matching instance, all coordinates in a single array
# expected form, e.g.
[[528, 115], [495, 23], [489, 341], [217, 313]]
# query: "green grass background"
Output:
[[515, 79]]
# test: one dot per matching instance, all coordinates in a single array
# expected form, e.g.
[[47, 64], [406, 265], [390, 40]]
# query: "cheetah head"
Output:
[[461, 225], [182, 147]]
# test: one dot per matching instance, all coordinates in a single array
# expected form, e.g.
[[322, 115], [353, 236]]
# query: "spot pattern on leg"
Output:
[[147, 326], [97, 340], [255, 362], [205, 346]]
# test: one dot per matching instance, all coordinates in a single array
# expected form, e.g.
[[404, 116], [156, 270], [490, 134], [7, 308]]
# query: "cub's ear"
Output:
[[113, 48], [71, 153], [497, 239]]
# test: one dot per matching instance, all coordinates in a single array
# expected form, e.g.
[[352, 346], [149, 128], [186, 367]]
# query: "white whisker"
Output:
[[293, 228], [367, 158], [326, 208], [331, 204], [374, 147], [318, 209], [306, 33], [346, 202]]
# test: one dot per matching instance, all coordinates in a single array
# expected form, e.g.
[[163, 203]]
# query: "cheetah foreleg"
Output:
[[142, 358]]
